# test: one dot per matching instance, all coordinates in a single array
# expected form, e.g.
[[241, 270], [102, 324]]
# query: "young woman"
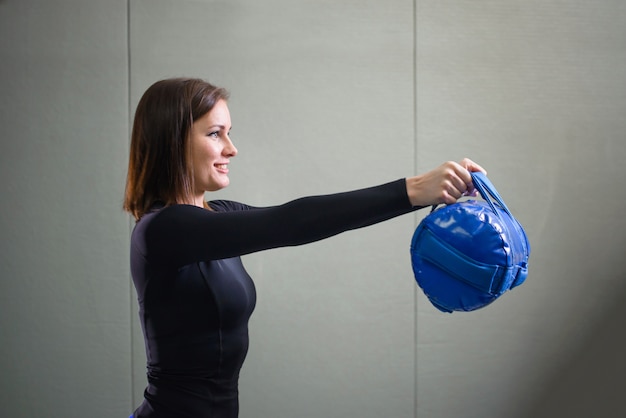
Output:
[[195, 297]]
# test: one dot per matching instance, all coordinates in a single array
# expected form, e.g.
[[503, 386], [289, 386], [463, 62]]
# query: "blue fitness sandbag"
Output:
[[467, 254]]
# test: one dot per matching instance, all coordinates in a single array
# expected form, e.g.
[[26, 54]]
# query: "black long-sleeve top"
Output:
[[195, 297]]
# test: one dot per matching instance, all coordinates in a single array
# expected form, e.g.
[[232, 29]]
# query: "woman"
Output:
[[195, 297]]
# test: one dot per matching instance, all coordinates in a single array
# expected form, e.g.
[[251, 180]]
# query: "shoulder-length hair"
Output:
[[160, 163]]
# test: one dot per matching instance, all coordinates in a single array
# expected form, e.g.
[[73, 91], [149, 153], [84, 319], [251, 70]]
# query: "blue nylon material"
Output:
[[467, 254], [455, 262]]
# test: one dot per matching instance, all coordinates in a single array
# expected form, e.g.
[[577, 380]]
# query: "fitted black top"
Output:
[[195, 297]]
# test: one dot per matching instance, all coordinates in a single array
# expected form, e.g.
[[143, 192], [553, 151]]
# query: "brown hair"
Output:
[[160, 164]]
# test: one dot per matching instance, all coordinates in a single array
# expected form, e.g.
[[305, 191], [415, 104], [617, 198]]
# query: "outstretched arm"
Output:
[[182, 234]]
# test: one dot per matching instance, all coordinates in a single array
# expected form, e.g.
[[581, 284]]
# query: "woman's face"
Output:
[[211, 149]]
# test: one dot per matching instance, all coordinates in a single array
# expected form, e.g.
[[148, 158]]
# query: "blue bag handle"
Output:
[[488, 191]]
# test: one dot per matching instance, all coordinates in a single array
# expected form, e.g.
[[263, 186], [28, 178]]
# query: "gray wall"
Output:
[[326, 96]]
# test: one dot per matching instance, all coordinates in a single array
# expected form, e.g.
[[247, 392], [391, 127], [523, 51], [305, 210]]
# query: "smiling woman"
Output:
[[165, 137], [195, 297]]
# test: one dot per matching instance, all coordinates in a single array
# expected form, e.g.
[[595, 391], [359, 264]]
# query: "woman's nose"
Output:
[[229, 149]]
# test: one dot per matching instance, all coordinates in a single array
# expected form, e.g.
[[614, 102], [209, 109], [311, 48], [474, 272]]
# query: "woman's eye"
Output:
[[215, 134]]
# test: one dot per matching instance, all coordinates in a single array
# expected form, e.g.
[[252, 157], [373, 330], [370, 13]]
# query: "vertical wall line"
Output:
[[130, 221], [415, 168]]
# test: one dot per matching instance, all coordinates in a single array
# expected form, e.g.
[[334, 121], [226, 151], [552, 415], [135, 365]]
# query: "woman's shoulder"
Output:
[[227, 206], [164, 217], [161, 217]]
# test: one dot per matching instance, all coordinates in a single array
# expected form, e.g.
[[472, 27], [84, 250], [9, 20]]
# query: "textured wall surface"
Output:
[[326, 96], [64, 289], [534, 91]]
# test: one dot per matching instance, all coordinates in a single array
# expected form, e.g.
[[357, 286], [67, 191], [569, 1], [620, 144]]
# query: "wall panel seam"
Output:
[[130, 222], [415, 168]]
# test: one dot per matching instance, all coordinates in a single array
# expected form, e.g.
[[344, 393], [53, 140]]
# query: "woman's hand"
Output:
[[444, 184]]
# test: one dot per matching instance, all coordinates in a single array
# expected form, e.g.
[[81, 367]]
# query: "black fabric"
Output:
[[195, 297]]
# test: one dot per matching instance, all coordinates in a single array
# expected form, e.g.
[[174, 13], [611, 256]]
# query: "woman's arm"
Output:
[[182, 234]]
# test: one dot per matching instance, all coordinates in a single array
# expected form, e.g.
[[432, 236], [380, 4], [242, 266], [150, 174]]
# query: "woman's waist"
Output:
[[190, 396], [218, 357]]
